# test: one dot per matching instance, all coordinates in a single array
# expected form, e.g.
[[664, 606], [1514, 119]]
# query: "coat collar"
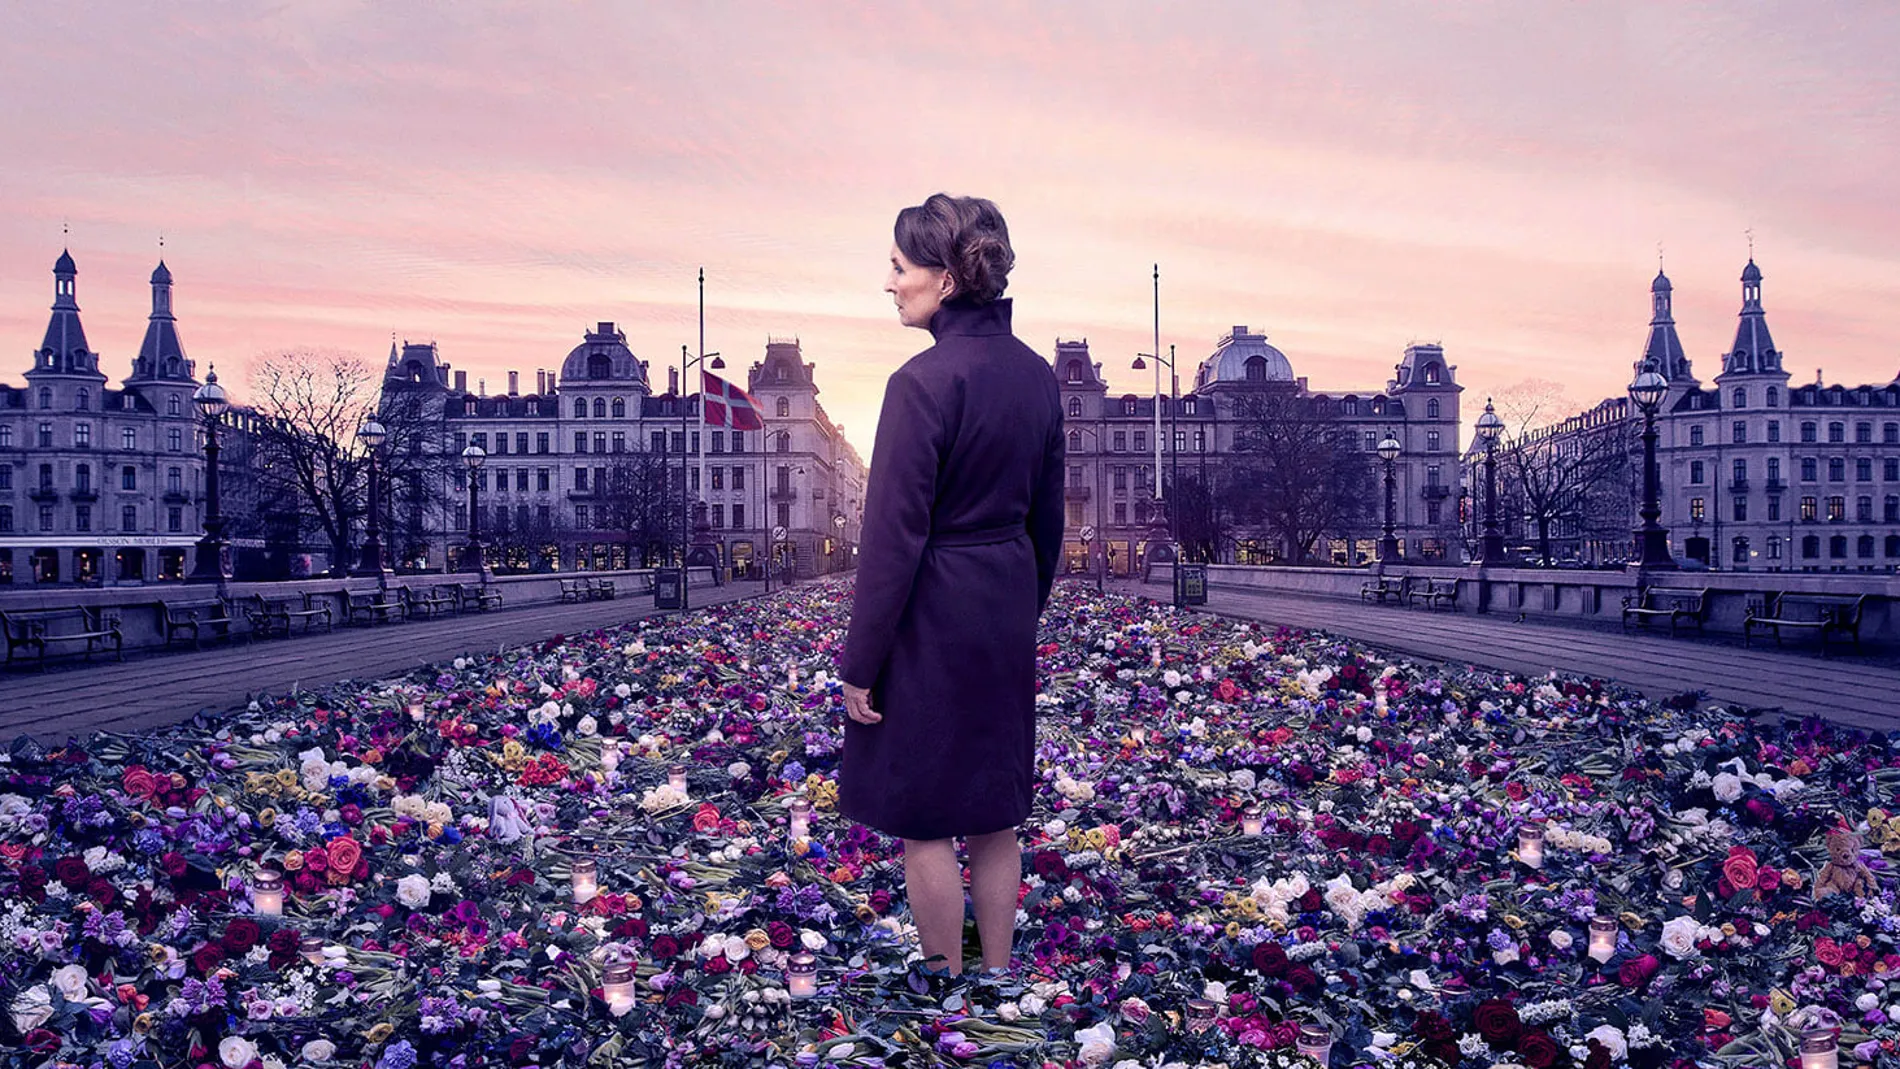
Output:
[[991, 318]]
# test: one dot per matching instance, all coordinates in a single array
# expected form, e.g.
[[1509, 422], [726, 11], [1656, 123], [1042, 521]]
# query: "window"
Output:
[[1863, 434], [46, 397], [46, 436], [784, 407], [600, 408], [1774, 430], [46, 476], [738, 446], [1738, 432], [784, 441], [659, 442], [128, 438], [175, 440], [541, 442], [1738, 553], [1119, 478], [1121, 441], [1075, 371], [1893, 544], [620, 441], [1432, 475], [1837, 469], [1739, 398], [1695, 472], [1128, 406], [1741, 473], [82, 517], [1864, 508], [1893, 509], [738, 515], [1837, 547], [580, 479], [738, 483], [1075, 475], [481, 441], [1141, 441], [1774, 469], [1774, 547], [1774, 508], [718, 441], [1372, 441], [174, 519], [1864, 469], [1200, 441], [6, 436], [1808, 509], [1075, 441], [1773, 398], [171, 405], [1431, 374], [1836, 508], [46, 517], [1075, 403], [6, 519], [1807, 432], [1810, 547], [128, 477], [580, 408], [1432, 511], [1836, 433], [541, 478], [174, 480], [1697, 511], [1741, 509], [129, 518], [580, 441], [1431, 409], [784, 510], [1350, 406], [718, 478], [521, 441], [719, 516], [1431, 441], [1810, 469], [1695, 434], [521, 480], [1121, 513], [6, 476], [1890, 433], [620, 408], [1180, 441], [1187, 406]]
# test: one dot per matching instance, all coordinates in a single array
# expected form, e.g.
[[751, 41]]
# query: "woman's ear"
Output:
[[949, 286]]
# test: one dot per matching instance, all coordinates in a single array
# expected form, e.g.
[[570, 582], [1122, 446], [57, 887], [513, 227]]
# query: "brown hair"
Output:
[[964, 235]]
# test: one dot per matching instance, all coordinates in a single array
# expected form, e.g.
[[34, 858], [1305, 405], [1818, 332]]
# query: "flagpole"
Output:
[[704, 489]]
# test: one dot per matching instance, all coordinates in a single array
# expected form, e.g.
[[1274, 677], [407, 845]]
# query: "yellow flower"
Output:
[[1631, 921], [143, 1024], [1781, 1002], [382, 1030], [1513, 921], [287, 777], [757, 939], [266, 817], [514, 756], [1097, 838], [293, 861], [1233, 929]]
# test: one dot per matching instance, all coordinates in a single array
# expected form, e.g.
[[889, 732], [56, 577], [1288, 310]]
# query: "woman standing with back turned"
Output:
[[962, 530]]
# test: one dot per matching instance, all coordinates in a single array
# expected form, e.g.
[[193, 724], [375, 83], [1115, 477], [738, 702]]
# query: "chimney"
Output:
[[540, 382], [461, 382], [673, 380], [481, 387], [514, 383]]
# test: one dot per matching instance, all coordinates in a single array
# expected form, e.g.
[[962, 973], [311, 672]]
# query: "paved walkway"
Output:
[[1857, 690], [156, 689]]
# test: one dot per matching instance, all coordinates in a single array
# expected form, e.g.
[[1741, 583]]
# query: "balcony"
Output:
[[85, 493], [1774, 486], [783, 493], [1436, 491], [177, 497], [1075, 493], [1738, 486], [43, 494]]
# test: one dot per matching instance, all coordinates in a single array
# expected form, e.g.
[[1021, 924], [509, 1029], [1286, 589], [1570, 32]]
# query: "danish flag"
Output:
[[723, 399]]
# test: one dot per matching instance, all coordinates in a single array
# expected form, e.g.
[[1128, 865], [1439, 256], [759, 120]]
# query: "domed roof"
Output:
[[1661, 285], [1234, 361], [1751, 273], [162, 276], [603, 357], [64, 265]]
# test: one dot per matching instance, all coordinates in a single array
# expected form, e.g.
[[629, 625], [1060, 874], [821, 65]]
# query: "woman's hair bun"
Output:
[[964, 235]]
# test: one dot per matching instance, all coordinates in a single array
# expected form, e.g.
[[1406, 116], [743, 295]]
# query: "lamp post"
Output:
[[1165, 522], [473, 458], [370, 562], [1653, 539], [837, 520], [1389, 545], [1489, 428], [211, 402], [1100, 527], [687, 363]]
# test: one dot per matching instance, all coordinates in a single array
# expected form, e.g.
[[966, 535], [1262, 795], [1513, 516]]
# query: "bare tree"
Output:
[[1200, 517], [1297, 472], [642, 501], [524, 541], [1561, 472]]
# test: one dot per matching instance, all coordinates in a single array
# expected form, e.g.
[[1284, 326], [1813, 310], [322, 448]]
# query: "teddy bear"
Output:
[[1843, 872]]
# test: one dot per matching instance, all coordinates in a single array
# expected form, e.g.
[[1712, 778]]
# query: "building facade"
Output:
[[97, 484], [561, 458], [1759, 473], [1115, 475]]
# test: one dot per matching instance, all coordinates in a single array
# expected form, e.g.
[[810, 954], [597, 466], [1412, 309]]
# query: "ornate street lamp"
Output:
[[1164, 522], [837, 520], [1389, 545], [1653, 539], [687, 363], [473, 458], [1489, 428], [370, 561], [211, 402]]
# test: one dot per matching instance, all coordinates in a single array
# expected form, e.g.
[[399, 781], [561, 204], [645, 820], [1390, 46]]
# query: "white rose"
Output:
[[69, 981], [413, 890], [1364, 734], [738, 770], [1867, 1002], [1097, 1043], [1561, 939], [32, 1008], [736, 950], [1727, 786], [1612, 1039], [1009, 1012], [1215, 991], [1031, 1005], [811, 940], [318, 1050], [1172, 678], [236, 1052], [1678, 937], [587, 726]]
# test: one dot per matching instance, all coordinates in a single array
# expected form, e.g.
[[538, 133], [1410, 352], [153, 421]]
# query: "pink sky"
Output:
[[1494, 176]]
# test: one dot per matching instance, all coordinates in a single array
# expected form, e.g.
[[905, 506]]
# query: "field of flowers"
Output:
[[428, 831]]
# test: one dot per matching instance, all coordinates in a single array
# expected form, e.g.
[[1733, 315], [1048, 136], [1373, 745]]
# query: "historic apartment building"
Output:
[[553, 456], [1758, 473], [1112, 482], [99, 484]]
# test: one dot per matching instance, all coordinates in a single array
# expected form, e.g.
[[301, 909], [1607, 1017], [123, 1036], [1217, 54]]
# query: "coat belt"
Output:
[[980, 536]]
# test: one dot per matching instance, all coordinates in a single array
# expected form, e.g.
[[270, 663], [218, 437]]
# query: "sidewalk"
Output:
[[1857, 690], [152, 690]]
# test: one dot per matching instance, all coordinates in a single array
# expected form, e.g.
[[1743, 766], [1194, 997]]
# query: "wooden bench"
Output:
[[36, 630], [1823, 614], [475, 596], [601, 589], [1382, 587], [177, 617], [274, 615], [1678, 605], [372, 606], [428, 603], [574, 590], [1435, 593]]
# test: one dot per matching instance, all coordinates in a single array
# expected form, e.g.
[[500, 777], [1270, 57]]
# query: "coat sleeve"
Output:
[[1045, 513], [897, 508]]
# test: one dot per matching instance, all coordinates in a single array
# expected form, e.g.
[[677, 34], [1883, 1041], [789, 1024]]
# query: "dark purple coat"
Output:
[[962, 531]]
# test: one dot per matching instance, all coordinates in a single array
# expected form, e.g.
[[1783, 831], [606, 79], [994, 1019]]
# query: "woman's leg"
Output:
[[934, 883], [996, 877]]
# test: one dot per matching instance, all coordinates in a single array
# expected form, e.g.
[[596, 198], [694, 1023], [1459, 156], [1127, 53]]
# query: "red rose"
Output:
[[281, 941], [1269, 959], [42, 1041], [345, 854], [100, 890], [33, 884], [881, 901], [208, 957], [1637, 971], [1740, 866], [1538, 1050], [781, 934], [1497, 1023], [666, 947], [316, 859], [717, 964], [1432, 1027], [1303, 980], [1767, 879], [174, 865], [72, 872], [1599, 1056], [520, 1050], [240, 936]]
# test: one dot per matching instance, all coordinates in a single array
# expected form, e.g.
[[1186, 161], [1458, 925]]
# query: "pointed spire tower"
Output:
[[1754, 351], [161, 355], [64, 352], [1664, 349]]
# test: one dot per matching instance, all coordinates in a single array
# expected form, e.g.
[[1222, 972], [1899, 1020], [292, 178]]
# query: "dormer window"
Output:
[[1431, 374], [1075, 408], [1256, 369], [1352, 406], [1128, 406], [1075, 371], [1187, 406]]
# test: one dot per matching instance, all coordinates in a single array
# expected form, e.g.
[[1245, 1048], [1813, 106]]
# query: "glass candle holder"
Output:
[[800, 810], [267, 893], [1251, 820], [310, 948], [616, 986], [415, 710], [1820, 1048], [1140, 735], [1602, 938], [585, 875], [1530, 845], [801, 975], [1315, 1041], [676, 777], [610, 757], [1201, 1014]]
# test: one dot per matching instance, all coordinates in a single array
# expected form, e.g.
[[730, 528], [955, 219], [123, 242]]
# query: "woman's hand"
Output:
[[857, 703]]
